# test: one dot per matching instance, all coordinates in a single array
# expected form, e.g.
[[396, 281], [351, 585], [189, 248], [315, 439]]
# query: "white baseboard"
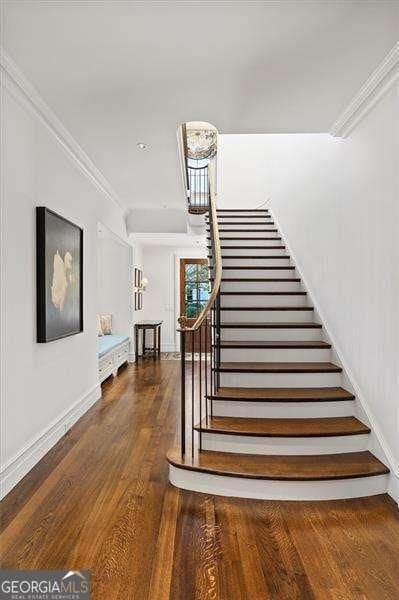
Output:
[[385, 449], [393, 487], [18, 466]]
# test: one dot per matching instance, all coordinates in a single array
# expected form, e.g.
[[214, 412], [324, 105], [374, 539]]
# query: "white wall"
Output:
[[161, 220], [45, 387], [337, 202], [114, 281], [162, 298]]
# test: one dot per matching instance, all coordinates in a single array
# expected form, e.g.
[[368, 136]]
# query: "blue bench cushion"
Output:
[[108, 342]]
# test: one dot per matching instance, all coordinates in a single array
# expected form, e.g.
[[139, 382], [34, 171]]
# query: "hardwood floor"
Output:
[[101, 500]]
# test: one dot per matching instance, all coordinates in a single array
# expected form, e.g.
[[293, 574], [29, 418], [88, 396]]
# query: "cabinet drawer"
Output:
[[105, 364]]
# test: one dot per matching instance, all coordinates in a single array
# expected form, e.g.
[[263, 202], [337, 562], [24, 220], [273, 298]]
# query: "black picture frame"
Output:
[[58, 316]]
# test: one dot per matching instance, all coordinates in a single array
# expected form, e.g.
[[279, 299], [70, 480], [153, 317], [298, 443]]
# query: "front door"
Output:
[[194, 294]]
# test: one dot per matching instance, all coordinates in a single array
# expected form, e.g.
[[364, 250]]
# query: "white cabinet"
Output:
[[109, 362]]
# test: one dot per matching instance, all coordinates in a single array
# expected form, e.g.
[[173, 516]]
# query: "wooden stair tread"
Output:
[[282, 308], [264, 221], [249, 248], [258, 267], [268, 279], [307, 427], [247, 230], [279, 367], [275, 344], [271, 325], [267, 239], [313, 394], [320, 467], [258, 216], [261, 210], [262, 293], [255, 257]]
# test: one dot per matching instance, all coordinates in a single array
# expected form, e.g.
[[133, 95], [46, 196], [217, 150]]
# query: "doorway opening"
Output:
[[194, 291]]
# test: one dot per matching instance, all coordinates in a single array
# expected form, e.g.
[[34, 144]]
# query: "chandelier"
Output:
[[201, 143]]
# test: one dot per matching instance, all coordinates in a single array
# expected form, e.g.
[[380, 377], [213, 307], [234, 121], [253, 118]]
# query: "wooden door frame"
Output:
[[189, 261], [182, 264]]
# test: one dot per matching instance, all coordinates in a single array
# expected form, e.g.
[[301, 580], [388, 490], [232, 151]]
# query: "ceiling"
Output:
[[120, 72]]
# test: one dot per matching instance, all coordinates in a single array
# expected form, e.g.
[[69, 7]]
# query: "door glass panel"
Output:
[[203, 292], [196, 288], [191, 292], [191, 272], [191, 309], [203, 273]]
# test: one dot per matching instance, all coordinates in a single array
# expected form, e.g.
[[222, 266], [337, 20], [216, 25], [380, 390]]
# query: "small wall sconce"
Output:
[[140, 285]]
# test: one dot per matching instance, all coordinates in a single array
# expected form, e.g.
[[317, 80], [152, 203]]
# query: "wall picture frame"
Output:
[[59, 276], [138, 294]]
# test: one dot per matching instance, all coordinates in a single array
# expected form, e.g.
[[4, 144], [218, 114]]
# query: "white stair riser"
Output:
[[282, 410], [259, 262], [260, 242], [275, 355], [244, 219], [242, 212], [260, 251], [259, 235], [251, 226], [282, 445], [269, 316], [241, 487], [261, 380], [232, 334], [260, 286], [277, 300], [260, 273]]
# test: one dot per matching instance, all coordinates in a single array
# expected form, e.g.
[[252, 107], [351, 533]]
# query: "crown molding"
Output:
[[15, 82], [376, 85]]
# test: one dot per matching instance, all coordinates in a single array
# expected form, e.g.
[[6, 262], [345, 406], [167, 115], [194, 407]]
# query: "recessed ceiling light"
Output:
[[142, 146]]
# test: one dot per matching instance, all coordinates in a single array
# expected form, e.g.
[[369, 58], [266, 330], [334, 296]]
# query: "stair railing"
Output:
[[199, 347], [195, 178], [199, 189]]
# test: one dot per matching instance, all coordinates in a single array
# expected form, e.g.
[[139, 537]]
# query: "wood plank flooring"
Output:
[[101, 500]]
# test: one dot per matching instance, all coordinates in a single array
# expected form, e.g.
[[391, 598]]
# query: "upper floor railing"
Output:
[[198, 182], [195, 178]]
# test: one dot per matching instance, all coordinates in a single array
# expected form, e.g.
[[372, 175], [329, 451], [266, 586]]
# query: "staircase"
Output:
[[280, 425]]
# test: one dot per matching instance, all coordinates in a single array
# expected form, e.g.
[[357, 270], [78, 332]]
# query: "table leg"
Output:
[[154, 342], [159, 340], [136, 344], [143, 343]]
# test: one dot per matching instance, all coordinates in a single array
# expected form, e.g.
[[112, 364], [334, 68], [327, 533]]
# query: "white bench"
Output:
[[113, 351]]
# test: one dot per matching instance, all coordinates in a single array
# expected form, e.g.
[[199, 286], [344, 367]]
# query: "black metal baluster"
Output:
[[183, 393], [200, 385], [218, 340], [206, 369], [192, 392]]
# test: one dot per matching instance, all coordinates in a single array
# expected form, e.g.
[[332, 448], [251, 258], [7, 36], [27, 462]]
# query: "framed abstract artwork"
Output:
[[59, 276]]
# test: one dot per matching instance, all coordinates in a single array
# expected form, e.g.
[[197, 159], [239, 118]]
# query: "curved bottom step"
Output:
[[321, 477]]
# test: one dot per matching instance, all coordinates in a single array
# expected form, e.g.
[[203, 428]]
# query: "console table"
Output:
[[155, 327]]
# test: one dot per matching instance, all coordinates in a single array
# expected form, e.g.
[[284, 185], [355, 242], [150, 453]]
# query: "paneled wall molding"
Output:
[[384, 76], [18, 85]]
